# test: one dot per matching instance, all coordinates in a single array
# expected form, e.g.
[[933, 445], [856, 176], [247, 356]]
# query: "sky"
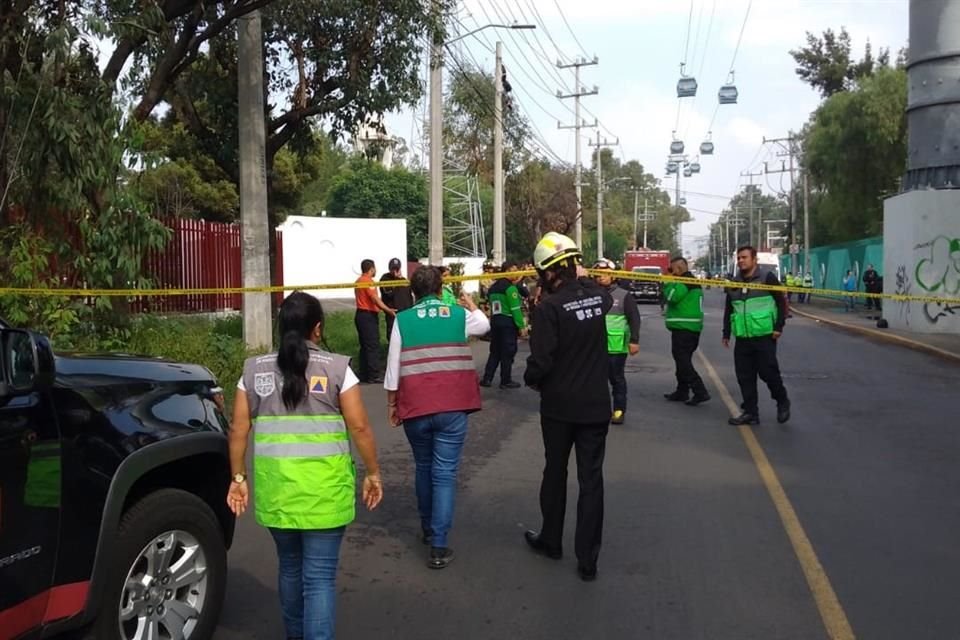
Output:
[[640, 45]]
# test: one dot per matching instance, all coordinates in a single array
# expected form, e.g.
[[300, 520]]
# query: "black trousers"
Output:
[[589, 442], [683, 344], [388, 321], [755, 357], [618, 380], [368, 331], [503, 349]]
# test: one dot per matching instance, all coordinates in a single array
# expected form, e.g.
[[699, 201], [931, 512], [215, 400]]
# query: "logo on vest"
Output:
[[580, 315], [264, 384], [432, 313], [318, 384], [421, 313], [444, 312]]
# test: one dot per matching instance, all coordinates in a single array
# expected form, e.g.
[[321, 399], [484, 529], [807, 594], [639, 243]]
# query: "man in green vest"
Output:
[[623, 336], [684, 320], [755, 317], [506, 324], [808, 285]]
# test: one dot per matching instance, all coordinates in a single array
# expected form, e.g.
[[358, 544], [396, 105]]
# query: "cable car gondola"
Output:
[[687, 172], [683, 201], [672, 167], [676, 147], [728, 93], [706, 147], [695, 167], [686, 85]]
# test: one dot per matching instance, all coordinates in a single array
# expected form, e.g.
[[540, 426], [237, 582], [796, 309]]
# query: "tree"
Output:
[[539, 198], [367, 190], [469, 122], [855, 151], [827, 66]]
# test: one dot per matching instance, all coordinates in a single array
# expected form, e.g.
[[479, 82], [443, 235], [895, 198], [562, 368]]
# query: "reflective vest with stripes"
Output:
[[617, 326], [437, 374], [754, 313], [304, 477]]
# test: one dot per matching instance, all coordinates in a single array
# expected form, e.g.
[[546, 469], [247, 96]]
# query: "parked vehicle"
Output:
[[650, 262], [113, 472]]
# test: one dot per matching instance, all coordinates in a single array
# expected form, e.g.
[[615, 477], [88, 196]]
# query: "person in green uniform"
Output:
[[303, 406], [506, 325], [684, 320], [623, 336]]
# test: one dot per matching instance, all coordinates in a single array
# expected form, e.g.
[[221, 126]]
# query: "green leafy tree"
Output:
[[367, 190], [827, 65], [855, 151], [538, 198]]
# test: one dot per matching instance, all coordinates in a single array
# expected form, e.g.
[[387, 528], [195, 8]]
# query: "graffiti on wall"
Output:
[[937, 272], [902, 288]]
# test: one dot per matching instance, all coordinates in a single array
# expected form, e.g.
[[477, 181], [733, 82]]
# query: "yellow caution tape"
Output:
[[620, 275]]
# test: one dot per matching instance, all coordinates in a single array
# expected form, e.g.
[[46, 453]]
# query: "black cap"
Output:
[[394, 264]]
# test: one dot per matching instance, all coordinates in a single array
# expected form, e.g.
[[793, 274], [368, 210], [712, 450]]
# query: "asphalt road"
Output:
[[698, 544]]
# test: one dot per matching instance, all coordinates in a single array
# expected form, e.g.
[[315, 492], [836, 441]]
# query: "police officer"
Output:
[[506, 324], [568, 365], [808, 285], [623, 336], [755, 317], [684, 320], [397, 297]]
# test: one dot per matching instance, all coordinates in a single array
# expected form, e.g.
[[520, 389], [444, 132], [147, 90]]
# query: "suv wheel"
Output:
[[169, 572]]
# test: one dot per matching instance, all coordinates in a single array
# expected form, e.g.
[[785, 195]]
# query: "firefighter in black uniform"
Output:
[[568, 365]]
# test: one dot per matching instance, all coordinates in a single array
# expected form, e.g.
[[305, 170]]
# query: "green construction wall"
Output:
[[830, 263]]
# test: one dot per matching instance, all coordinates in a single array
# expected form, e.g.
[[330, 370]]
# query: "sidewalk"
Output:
[[863, 322]]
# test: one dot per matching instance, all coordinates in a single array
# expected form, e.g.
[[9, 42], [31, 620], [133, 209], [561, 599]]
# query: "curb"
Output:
[[880, 335]]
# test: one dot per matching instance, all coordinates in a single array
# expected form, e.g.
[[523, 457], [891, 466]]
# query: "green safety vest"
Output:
[[808, 282], [684, 307], [506, 302], [618, 329], [304, 476], [448, 297], [754, 313]]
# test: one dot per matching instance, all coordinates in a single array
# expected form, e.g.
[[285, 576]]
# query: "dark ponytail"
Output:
[[299, 314]]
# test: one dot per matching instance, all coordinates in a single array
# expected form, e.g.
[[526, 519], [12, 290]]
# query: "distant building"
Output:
[[373, 140]]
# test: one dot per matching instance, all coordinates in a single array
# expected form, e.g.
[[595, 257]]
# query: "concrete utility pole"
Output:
[[636, 214], [254, 219], [788, 144], [499, 240], [600, 145], [646, 219], [806, 222], [751, 175], [435, 226], [578, 93]]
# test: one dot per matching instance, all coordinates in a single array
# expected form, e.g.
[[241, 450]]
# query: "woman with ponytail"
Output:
[[303, 405]]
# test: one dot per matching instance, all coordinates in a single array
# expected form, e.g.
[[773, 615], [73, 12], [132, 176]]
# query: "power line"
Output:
[[686, 47], [740, 38], [570, 29]]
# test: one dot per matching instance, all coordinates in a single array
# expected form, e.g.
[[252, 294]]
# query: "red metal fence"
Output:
[[200, 255]]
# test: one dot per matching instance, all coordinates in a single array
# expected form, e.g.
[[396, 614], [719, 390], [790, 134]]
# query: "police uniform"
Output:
[[753, 316], [506, 322]]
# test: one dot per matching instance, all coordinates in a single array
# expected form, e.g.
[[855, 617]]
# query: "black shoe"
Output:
[[377, 380], [426, 537], [676, 396], [510, 385], [533, 539], [440, 557], [744, 418], [783, 412], [587, 574], [698, 399], [485, 383]]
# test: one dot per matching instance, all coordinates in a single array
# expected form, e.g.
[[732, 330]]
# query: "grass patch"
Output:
[[214, 343]]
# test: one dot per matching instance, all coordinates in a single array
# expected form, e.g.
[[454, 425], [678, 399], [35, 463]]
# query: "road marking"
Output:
[[831, 612]]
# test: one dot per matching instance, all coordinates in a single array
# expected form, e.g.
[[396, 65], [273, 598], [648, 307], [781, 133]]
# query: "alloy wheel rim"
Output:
[[165, 589]]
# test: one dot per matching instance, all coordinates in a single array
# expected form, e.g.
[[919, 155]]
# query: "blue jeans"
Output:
[[308, 576], [437, 441]]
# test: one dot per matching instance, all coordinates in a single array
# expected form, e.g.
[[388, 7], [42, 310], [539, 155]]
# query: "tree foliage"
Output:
[[855, 150], [827, 63], [367, 190]]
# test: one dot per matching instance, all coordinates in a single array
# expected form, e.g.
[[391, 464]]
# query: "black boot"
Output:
[[744, 418]]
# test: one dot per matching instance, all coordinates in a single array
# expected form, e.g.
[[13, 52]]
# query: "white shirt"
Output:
[[477, 325], [350, 380]]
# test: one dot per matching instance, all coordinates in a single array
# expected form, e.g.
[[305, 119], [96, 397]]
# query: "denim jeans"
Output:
[[308, 576], [437, 441]]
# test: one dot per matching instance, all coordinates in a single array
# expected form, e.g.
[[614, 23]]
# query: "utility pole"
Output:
[[749, 174], [435, 226], [646, 219], [498, 222], [788, 144], [254, 219], [806, 223], [636, 214], [599, 145], [578, 93]]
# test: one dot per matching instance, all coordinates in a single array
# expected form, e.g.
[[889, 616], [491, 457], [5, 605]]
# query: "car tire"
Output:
[[145, 535]]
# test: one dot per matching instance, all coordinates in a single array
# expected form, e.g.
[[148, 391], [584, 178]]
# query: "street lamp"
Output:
[[435, 227]]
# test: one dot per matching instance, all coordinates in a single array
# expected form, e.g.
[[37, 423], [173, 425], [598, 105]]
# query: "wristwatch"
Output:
[[239, 477]]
